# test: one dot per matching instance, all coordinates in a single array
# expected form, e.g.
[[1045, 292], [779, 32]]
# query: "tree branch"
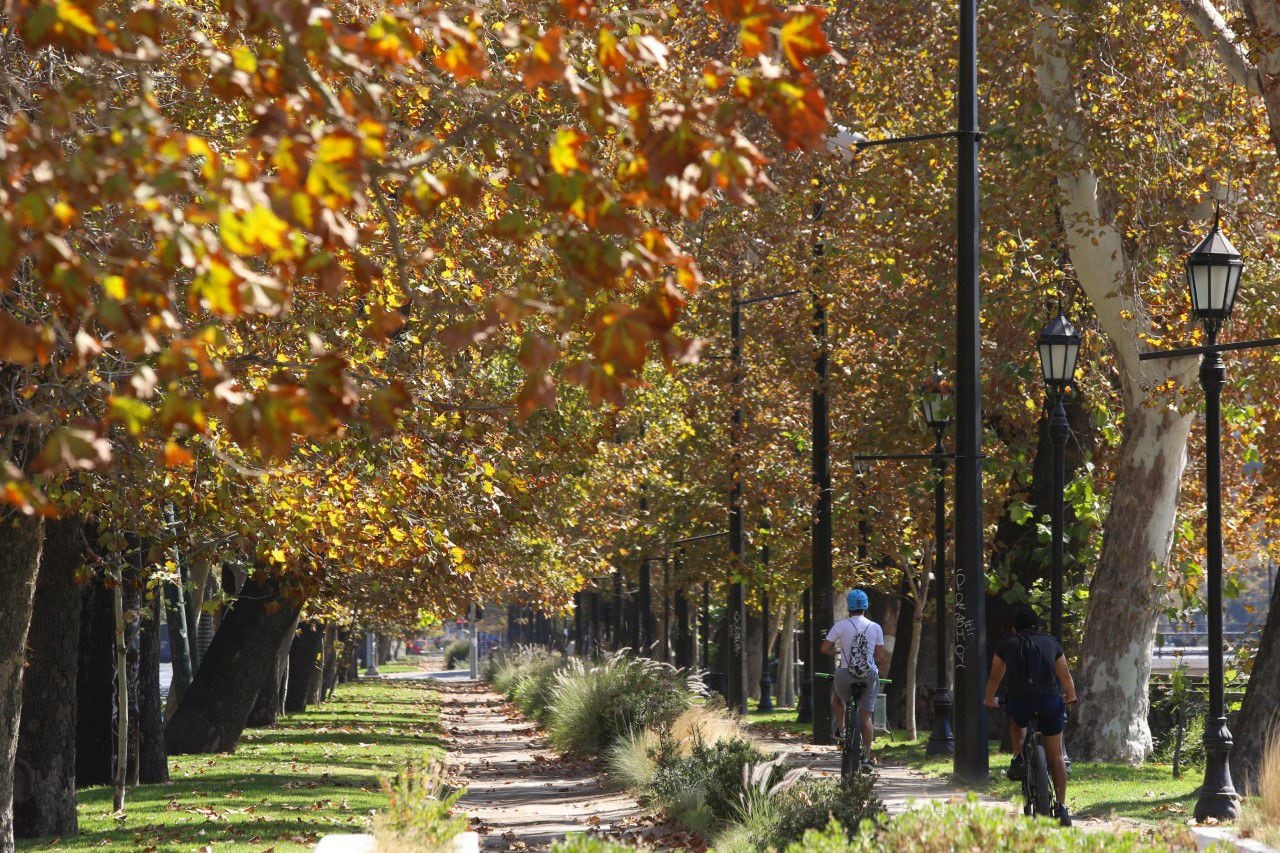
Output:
[[1209, 21]]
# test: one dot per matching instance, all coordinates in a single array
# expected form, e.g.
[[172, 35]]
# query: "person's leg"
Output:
[[837, 712], [1057, 764], [1016, 735], [868, 732]]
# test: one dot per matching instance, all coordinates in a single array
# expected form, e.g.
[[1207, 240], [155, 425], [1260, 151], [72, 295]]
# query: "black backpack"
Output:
[[1034, 672]]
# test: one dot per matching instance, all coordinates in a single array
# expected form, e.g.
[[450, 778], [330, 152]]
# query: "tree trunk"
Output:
[[787, 658], [153, 763], [1257, 721], [269, 705], [122, 700], [21, 538], [45, 804], [212, 715], [1124, 596], [95, 679], [315, 689], [131, 596], [304, 666], [911, 690], [895, 695], [333, 646]]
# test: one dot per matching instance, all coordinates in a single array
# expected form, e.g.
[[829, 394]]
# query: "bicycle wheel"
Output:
[[851, 755], [1038, 782]]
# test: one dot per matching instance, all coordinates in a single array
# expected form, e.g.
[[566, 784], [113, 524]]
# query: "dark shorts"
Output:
[[1050, 711]]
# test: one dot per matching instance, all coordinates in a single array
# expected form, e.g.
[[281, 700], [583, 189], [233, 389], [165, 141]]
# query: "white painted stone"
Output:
[[1222, 838], [466, 842]]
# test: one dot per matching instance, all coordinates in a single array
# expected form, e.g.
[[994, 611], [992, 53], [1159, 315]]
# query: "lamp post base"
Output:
[[1218, 797], [942, 741], [804, 708], [766, 686]]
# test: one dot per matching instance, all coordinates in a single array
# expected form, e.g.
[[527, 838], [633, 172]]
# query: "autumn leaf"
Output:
[[802, 37], [176, 456], [544, 62], [564, 151], [73, 448], [22, 344]]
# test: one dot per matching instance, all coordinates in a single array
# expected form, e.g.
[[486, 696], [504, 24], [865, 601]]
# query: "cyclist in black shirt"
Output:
[[1037, 683]]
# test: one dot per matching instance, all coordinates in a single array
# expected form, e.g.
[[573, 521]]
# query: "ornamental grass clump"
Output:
[[1261, 818], [594, 705], [419, 814]]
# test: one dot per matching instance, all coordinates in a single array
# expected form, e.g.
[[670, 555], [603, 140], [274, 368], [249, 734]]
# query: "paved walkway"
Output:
[[520, 793]]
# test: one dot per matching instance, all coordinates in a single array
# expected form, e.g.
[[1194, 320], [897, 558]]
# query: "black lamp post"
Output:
[[1059, 346], [766, 680], [936, 408], [1213, 275]]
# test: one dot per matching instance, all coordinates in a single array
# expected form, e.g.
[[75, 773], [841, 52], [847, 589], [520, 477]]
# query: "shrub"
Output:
[[632, 760], [580, 842], [759, 811], [457, 652], [946, 827], [705, 788], [418, 815], [815, 803], [593, 705]]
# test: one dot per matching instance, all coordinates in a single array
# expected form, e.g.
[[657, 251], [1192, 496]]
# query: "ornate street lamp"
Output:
[[1213, 276], [1059, 347], [936, 397]]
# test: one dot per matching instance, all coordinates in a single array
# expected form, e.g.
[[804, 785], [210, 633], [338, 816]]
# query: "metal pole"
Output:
[[1218, 798], [1059, 430], [666, 610], [646, 607], [804, 703], [615, 635], [705, 627], [766, 680], [972, 759], [820, 583], [736, 687], [942, 741]]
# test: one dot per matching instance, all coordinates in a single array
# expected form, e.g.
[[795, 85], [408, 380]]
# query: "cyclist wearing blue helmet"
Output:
[[860, 644]]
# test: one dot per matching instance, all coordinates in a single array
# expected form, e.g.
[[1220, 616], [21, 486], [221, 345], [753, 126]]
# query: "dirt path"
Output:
[[520, 794]]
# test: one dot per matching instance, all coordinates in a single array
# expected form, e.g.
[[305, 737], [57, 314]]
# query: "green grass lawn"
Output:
[[314, 773], [780, 722], [409, 663], [1147, 793]]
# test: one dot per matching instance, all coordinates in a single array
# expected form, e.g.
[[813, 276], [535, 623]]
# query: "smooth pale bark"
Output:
[[304, 666], [46, 803], [1264, 17], [21, 538], [211, 717], [197, 584], [1128, 584]]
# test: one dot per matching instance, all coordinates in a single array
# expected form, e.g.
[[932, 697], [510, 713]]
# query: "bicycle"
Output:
[[1037, 787], [851, 744]]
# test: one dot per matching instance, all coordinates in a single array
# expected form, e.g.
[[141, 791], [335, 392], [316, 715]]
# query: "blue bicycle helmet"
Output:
[[857, 600]]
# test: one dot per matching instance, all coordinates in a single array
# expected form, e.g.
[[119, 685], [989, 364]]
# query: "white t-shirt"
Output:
[[843, 633]]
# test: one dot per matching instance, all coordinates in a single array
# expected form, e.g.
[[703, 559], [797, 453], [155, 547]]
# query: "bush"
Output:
[[418, 815], [705, 788], [814, 804], [457, 652], [946, 827], [1261, 818], [593, 705]]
